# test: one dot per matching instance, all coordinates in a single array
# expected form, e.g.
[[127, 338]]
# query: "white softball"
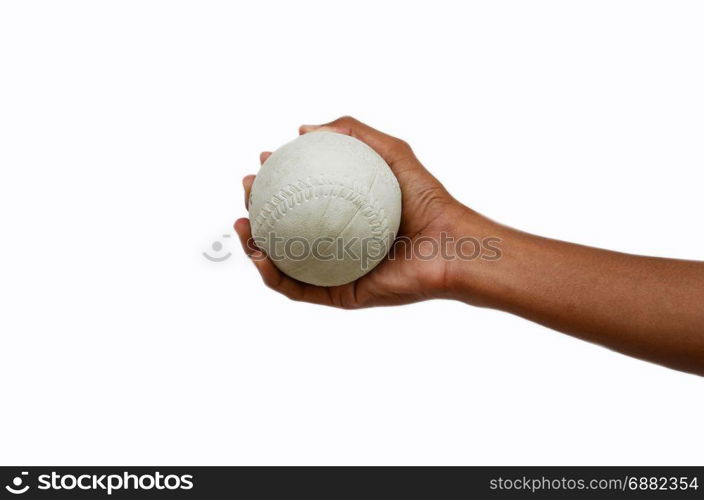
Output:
[[325, 208]]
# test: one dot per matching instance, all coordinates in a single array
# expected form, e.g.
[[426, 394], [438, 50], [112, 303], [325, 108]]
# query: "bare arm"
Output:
[[646, 307]]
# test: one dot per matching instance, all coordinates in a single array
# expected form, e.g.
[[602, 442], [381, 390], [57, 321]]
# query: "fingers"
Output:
[[247, 185], [248, 180], [269, 273], [244, 232], [391, 149], [304, 129], [272, 277], [267, 270]]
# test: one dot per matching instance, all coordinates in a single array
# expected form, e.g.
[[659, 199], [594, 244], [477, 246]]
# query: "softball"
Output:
[[325, 208]]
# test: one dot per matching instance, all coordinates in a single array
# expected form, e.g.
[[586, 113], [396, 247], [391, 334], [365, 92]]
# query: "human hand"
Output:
[[428, 211], [643, 306]]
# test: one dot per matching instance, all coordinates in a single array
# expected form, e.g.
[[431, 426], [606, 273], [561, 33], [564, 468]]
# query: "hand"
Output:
[[428, 210], [643, 306]]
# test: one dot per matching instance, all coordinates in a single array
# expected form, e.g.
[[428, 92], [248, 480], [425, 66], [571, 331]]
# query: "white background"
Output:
[[125, 128]]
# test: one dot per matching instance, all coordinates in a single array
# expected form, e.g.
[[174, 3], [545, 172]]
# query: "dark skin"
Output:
[[647, 307]]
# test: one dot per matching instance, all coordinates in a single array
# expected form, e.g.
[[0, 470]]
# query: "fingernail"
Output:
[[304, 128], [256, 255]]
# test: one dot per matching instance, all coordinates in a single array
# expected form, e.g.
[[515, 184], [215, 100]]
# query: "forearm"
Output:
[[647, 307]]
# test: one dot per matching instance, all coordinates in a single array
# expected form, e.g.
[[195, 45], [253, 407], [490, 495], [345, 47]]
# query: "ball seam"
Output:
[[304, 190]]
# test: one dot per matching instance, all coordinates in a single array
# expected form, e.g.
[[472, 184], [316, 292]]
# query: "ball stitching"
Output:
[[314, 188]]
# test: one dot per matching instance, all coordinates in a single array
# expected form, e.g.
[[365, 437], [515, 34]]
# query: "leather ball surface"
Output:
[[325, 208]]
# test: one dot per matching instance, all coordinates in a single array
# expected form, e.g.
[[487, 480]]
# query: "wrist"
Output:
[[475, 260]]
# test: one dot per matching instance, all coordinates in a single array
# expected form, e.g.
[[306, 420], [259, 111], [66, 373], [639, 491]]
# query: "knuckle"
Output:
[[346, 302], [343, 304], [345, 120], [288, 294], [401, 147]]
